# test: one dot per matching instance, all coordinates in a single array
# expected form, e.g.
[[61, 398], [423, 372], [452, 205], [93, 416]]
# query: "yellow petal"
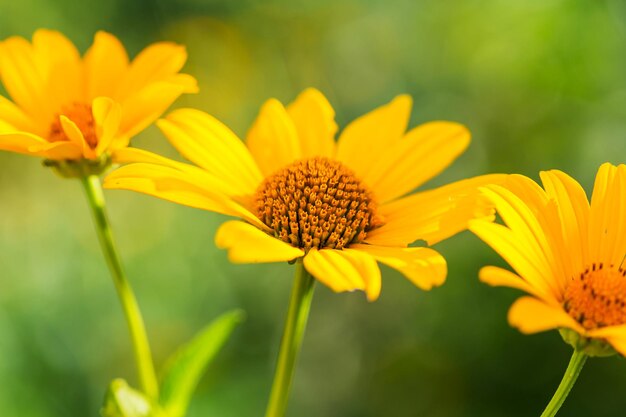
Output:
[[211, 145], [247, 244], [618, 252], [363, 141], [606, 223], [73, 133], [314, 119], [531, 315], [24, 77], [191, 188], [106, 62], [29, 144], [424, 267], [368, 269], [529, 234], [423, 153], [14, 117], [154, 64], [61, 61], [107, 116], [573, 208], [145, 106], [130, 155], [186, 81], [499, 277], [20, 142], [507, 244], [434, 215], [272, 139], [6, 127], [197, 175], [335, 270]]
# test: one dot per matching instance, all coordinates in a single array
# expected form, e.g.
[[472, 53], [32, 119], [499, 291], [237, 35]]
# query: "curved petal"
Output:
[[531, 315], [434, 215], [187, 188], [106, 63], [363, 141], [211, 145], [530, 234], [368, 268], [314, 120], [272, 139], [29, 144], [519, 256], [107, 116], [336, 270], [73, 133], [131, 155], [424, 267], [422, 154], [499, 277], [135, 155], [155, 63], [20, 142], [247, 244]]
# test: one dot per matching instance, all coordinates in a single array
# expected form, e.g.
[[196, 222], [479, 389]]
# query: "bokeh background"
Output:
[[541, 85]]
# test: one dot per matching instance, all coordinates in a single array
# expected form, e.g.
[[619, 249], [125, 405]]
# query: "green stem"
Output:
[[569, 379], [143, 357], [297, 315]]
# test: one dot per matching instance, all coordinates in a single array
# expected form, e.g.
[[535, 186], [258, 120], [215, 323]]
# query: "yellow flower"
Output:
[[568, 255], [70, 108], [342, 206]]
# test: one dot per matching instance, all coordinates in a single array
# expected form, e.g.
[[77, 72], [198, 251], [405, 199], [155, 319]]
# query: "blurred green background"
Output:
[[541, 84]]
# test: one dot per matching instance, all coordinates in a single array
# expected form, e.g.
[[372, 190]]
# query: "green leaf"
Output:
[[123, 401], [185, 368]]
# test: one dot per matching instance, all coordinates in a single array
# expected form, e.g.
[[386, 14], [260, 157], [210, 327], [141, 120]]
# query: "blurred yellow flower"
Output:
[[568, 255], [70, 108], [341, 206]]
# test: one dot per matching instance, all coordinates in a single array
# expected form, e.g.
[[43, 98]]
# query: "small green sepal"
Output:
[[587, 345], [123, 401], [79, 168]]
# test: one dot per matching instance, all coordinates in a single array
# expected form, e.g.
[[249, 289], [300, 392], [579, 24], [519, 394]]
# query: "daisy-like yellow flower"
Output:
[[340, 206], [68, 108], [567, 253]]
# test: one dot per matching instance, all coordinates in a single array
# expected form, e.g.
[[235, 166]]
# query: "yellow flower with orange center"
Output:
[[68, 107], [341, 206], [568, 254]]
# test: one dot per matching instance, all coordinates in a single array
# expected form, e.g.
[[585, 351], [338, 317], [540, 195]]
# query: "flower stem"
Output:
[[569, 379], [143, 357], [297, 315]]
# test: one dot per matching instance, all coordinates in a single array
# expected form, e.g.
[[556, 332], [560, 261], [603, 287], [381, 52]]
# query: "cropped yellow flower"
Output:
[[568, 255], [340, 206], [70, 108]]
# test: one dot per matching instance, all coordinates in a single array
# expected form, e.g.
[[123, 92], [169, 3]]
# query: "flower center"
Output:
[[82, 116], [316, 203], [597, 298]]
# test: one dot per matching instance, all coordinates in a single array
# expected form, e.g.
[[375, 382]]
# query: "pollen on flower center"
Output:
[[79, 113], [316, 203], [597, 298]]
